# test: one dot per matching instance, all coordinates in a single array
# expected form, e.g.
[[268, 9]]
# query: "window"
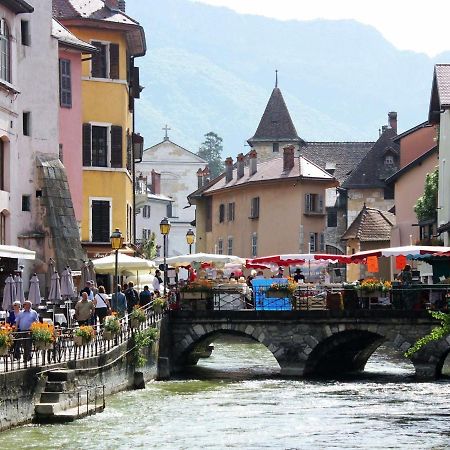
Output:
[[2, 165], [254, 245], [254, 208], [169, 211], [26, 123], [146, 234], [146, 211], [220, 247], [316, 242], [231, 212], [275, 147], [332, 218], [313, 203], [26, 205], [105, 63], [2, 228], [65, 83], [102, 146], [100, 220], [5, 55], [221, 213], [389, 160], [25, 32], [230, 245], [209, 214]]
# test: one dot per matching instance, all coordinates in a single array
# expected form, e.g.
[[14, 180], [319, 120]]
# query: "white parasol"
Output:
[[67, 286], [9, 293], [34, 294], [202, 258], [127, 265], [55, 289], [20, 296]]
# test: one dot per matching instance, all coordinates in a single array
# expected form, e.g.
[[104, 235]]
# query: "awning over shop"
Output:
[[12, 251]]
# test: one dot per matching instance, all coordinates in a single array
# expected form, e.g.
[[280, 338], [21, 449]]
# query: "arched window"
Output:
[[5, 64]]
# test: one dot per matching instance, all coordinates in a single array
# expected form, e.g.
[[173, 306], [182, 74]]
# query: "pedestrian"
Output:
[[102, 305], [88, 289], [23, 323], [84, 309], [299, 277], [119, 302], [408, 298], [145, 297], [157, 282], [132, 297], [12, 316]]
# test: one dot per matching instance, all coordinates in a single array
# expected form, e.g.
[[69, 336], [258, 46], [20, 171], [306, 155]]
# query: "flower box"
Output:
[[4, 349], [277, 293], [108, 335], [134, 323], [42, 345]]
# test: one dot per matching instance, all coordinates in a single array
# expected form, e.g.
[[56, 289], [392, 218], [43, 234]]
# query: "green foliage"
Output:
[[148, 247], [211, 151], [426, 205], [435, 334], [140, 340]]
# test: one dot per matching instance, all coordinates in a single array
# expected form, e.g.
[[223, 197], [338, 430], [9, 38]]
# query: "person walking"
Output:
[[102, 305], [145, 297], [119, 302], [132, 297], [157, 283], [23, 323], [84, 309]]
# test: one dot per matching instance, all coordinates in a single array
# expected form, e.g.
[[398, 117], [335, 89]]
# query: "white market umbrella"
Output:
[[9, 293], [67, 286], [55, 289], [127, 265], [202, 258], [20, 296], [34, 294]]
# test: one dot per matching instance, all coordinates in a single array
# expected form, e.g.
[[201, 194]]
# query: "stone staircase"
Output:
[[64, 401]]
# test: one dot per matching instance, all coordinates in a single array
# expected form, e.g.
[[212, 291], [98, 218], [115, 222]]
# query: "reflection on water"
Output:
[[236, 399]]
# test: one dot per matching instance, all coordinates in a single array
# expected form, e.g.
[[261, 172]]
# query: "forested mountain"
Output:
[[209, 68]]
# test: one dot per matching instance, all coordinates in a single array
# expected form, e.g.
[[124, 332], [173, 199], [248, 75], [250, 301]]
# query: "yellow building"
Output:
[[110, 83]]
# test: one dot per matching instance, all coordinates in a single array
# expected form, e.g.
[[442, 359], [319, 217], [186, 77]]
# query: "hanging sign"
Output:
[[372, 264], [400, 262]]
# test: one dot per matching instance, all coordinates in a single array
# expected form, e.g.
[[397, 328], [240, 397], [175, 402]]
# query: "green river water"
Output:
[[235, 399]]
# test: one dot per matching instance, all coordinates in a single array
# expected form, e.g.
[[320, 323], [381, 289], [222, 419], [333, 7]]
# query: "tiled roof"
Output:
[[345, 156], [276, 124], [64, 36], [18, 6], [442, 74], [371, 225], [269, 171], [371, 172]]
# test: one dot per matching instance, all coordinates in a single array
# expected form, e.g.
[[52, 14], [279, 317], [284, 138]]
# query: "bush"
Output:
[[42, 332]]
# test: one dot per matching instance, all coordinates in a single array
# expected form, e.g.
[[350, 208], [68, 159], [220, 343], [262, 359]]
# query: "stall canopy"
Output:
[[296, 259], [12, 251], [410, 251], [200, 258], [127, 265]]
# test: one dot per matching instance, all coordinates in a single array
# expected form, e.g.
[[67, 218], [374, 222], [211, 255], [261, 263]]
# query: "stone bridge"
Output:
[[307, 343]]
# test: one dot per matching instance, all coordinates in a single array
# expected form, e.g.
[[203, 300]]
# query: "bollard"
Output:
[[163, 370], [138, 381]]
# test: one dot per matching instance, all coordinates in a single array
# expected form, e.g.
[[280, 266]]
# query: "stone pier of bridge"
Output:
[[307, 343]]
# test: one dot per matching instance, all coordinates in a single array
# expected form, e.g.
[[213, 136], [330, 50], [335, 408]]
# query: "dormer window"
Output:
[[389, 160]]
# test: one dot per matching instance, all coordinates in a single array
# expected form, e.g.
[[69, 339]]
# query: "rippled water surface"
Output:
[[235, 399]]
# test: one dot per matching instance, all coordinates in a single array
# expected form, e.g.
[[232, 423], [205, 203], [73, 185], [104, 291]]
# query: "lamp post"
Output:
[[164, 227], [116, 240], [190, 239]]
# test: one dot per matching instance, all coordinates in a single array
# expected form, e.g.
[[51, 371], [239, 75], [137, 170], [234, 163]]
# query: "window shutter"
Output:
[[87, 159], [98, 60], [116, 146], [221, 212], [320, 203], [307, 203], [135, 88], [322, 242], [114, 61], [100, 221]]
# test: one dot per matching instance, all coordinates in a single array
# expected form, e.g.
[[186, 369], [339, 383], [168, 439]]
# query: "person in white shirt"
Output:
[[102, 305], [157, 282]]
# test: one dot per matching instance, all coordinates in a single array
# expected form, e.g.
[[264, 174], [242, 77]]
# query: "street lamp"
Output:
[[116, 240], [190, 239], [164, 227]]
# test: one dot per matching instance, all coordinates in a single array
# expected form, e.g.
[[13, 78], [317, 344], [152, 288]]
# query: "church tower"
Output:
[[275, 130]]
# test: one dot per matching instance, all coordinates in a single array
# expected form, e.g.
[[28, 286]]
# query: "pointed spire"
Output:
[[276, 78]]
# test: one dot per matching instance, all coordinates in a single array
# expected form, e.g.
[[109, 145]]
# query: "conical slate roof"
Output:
[[276, 123]]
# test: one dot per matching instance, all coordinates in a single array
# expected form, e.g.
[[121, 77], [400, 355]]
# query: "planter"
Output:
[[277, 293], [4, 350], [135, 323], [108, 335], [157, 309], [80, 340], [42, 345]]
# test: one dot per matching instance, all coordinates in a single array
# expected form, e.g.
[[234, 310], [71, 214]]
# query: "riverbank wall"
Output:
[[115, 370]]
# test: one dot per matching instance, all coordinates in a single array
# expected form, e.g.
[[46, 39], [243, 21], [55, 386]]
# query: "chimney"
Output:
[[240, 166], [392, 120], [253, 162], [199, 178], [228, 169], [111, 4], [288, 158], [384, 128], [121, 5], [206, 178], [156, 182]]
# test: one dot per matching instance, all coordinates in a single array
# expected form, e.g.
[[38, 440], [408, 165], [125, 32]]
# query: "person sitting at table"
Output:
[[84, 309], [12, 316]]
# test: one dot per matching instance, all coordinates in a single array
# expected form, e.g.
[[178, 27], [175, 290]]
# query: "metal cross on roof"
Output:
[[166, 129]]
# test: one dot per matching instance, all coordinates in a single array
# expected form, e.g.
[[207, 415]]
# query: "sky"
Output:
[[407, 24]]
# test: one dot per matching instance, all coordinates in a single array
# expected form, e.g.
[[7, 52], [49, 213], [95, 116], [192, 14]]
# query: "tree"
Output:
[[425, 208], [148, 247], [211, 150]]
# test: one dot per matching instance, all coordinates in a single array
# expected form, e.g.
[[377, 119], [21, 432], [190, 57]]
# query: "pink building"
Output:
[[70, 110]]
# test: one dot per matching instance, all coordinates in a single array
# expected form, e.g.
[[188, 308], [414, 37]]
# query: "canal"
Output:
[[235, 399]]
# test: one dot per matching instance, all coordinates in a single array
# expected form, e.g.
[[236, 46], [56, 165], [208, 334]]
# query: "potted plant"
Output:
[[111, 328], [281, 290], [6, 339], [137, 316], [159, 303], [82, 335], [43, 335]]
